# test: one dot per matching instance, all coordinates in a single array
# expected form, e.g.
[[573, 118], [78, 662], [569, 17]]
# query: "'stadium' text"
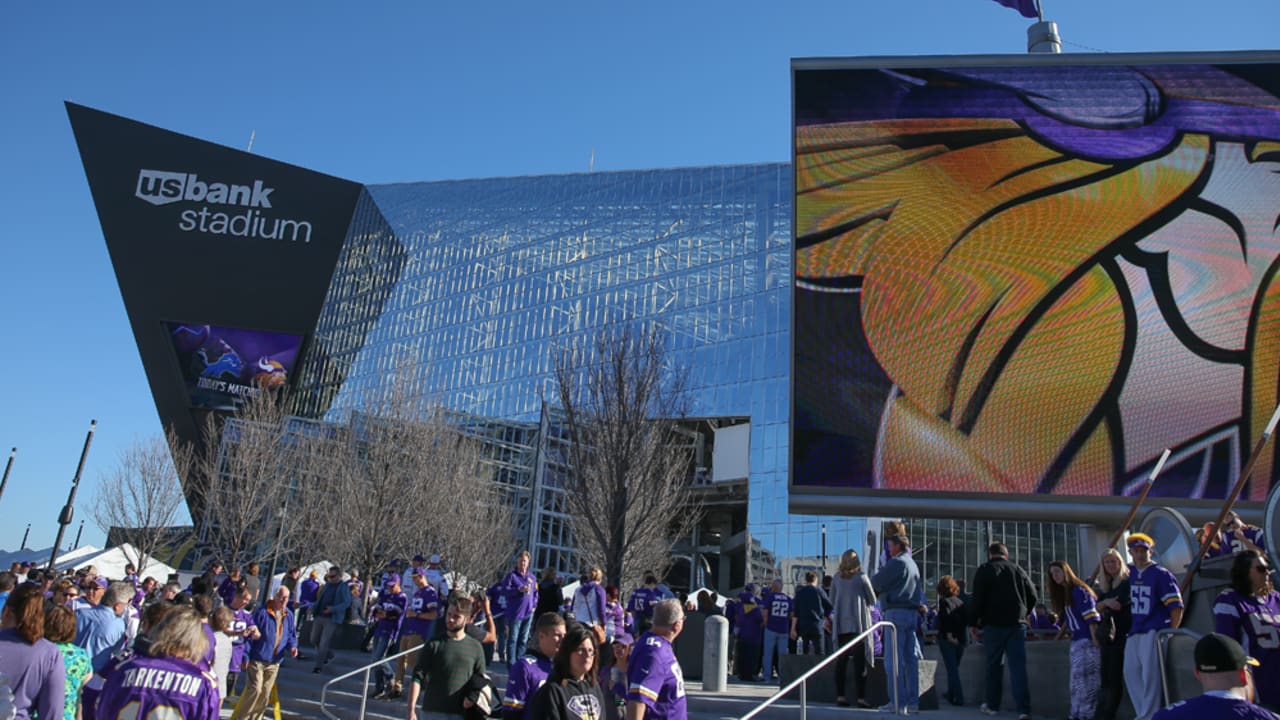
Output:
[[249, 224]]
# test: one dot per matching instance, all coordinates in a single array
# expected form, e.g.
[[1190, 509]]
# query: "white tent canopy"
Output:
[[110, 563], [319, 567], [41, 557]]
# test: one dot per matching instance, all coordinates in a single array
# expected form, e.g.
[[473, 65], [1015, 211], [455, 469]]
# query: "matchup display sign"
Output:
[[222, 366], [1028, 276]]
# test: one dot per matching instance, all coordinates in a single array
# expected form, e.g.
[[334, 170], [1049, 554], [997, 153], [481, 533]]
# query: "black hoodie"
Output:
[[567, 699]]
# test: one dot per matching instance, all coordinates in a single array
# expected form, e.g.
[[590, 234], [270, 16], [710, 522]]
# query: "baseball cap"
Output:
[[1216, 652], [418, 558], [435, 559], [624, 638], [1142, 540]]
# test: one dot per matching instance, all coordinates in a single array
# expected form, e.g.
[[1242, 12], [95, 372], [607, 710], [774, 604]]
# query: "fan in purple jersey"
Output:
[[615, 616], [389, 613], [750, 631], [1076, 603], [655, 683], [168, 684], [521, 589], [642, 601], [1237, 536], [420, 616], [227, 588], [1223, 669], [241, 630], [1155, 602], [531, 671], [1249, 613], [777, 626]]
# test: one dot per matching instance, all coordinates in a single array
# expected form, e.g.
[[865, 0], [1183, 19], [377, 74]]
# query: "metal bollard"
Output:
[[715, 654]]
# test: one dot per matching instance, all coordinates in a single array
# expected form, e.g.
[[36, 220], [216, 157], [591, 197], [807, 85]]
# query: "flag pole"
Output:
[[1231, 499], [1133, 511]]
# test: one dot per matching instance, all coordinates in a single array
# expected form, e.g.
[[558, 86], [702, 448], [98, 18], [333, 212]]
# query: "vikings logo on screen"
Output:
[[221, 366], [1034, 279]]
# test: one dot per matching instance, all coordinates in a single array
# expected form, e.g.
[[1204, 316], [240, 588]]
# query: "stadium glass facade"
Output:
[[481, 280]]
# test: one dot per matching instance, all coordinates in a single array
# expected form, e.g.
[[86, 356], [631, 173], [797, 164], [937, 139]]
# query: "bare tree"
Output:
[[473, 527], [627, 488], [405, 479], [141, 497], [244, 479]]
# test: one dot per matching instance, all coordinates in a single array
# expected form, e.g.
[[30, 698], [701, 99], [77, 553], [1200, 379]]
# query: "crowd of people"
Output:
[[581, 657], [1111, 624], [77, 645]]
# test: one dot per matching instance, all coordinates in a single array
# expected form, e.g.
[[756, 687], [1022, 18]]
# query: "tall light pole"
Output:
[[68, 510], [7, 467]]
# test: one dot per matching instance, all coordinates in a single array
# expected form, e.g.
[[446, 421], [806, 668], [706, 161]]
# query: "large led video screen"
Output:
[[1026, 277], [221, 366]]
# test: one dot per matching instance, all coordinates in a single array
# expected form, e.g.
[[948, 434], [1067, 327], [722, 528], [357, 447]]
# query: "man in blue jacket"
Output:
[[272, 637], [901, 593], [330, 611]]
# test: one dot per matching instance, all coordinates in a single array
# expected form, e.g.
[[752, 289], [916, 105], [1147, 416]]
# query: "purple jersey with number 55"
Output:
[[1153, 591], [1255, 623], [147, 688]]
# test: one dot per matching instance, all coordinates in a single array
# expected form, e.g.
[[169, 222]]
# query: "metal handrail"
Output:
[[1162, 637], [364, 693], [891, 661]]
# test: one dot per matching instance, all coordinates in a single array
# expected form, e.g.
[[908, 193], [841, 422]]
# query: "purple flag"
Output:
[[1026, 7]]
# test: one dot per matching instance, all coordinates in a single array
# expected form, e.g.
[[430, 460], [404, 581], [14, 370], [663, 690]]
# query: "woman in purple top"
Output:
[[32, 665], [615, 617], [521, 588], [167, 683], [227, 589], [589, 602], [1075, 602]]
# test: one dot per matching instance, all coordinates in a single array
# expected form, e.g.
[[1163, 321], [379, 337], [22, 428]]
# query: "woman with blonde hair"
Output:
[[1113, 614], [178, 644], [1076, 603], [852, 598], [589, 605]]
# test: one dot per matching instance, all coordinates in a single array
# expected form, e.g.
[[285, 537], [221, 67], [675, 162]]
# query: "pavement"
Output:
[[300, 691]]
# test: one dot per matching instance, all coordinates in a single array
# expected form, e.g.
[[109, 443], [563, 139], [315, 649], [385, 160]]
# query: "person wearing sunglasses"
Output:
[[1239, 536], [1249, 613], [66, 593]]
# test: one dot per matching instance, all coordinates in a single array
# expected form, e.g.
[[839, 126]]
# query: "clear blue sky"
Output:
[[384, 92]]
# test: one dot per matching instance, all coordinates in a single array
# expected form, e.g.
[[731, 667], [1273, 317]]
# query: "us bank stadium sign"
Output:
[[223, 208]]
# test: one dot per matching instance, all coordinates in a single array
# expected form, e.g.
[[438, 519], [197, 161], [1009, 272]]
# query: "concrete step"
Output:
[[300, 689]]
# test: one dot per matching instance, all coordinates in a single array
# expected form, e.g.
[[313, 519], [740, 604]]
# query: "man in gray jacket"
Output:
[[901, 594]]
